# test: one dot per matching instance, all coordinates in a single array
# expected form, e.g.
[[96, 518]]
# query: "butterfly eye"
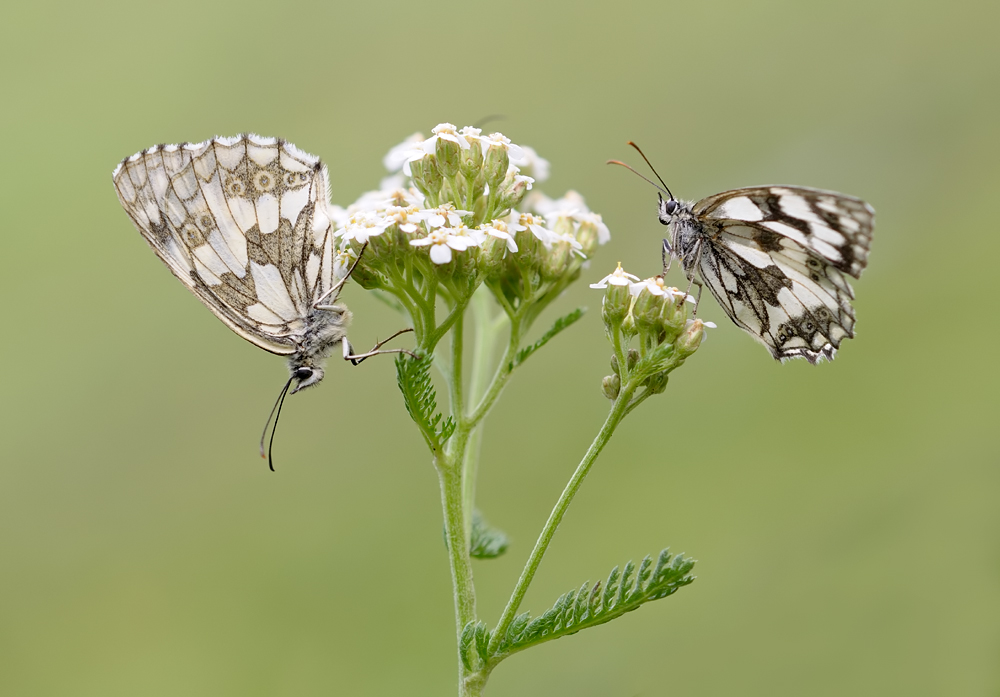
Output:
[[302, 374], [670, 207]]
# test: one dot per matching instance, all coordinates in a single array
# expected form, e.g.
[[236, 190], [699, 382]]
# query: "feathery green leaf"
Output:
[[590, 606], [559, 325], [476, 636], [487, 541], [414, 380]]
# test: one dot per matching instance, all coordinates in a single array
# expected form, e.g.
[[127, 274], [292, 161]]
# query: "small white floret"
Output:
[[618, 277]]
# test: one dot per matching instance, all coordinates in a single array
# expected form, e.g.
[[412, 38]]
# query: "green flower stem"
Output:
[[486, 330], [503, 372], [453, 497], [450, 478], [618, 411], [455, 379], [437, 334]]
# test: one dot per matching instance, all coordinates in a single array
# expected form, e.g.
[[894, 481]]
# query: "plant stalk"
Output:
[[618, 411]]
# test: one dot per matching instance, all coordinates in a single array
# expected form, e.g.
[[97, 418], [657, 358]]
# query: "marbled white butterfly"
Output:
[[243, 223], [774, 257]]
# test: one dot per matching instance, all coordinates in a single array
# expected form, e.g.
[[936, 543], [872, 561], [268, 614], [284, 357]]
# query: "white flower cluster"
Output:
[[650, 307], [460, 190]]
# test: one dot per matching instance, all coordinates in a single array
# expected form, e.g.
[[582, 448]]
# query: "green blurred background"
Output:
[[845, 516]]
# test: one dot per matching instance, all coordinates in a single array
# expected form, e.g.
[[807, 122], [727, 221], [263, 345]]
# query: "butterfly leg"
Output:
[[356, 358], [668, 256], [697, 300], [692, 281]]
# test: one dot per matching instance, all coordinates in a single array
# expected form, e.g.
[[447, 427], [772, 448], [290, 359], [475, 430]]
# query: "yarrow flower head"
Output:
[[471, 201]]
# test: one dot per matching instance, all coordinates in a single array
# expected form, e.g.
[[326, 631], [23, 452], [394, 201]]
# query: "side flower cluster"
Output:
[[655, 313], [462, 205]]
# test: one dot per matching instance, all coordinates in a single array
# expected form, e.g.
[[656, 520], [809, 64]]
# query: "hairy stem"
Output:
[[617, 413], [450, 478]]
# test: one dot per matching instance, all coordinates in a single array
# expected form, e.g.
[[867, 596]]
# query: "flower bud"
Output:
[[491, 254], [628, 326], [383, 246], [472, 159], [588, 236], [616, 305], [511, 196], [563, 225], [673, 315], [646, 311], [611, 385], [614, 365], [449, 157], [556, 261], [496, 161], [632, 358], [426, 175], [691, 338]]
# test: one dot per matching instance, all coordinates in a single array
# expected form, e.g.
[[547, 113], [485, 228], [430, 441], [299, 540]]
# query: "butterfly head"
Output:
[[668, 209], [306, 376], [673, 211]]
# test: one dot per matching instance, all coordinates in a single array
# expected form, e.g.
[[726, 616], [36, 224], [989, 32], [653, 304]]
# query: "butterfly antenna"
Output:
[[641, 176], [652, 168], [275, 414]]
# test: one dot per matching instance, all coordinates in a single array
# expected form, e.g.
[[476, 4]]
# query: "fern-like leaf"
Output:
[[560, 324], [414, 379], [473, 645], [487, 541], [587, 606]]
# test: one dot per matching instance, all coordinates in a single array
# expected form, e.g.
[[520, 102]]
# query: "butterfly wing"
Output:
[[243, 223], [775, 257], [830, 225]]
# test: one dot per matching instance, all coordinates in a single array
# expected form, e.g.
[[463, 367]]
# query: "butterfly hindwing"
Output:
[[242, 222]]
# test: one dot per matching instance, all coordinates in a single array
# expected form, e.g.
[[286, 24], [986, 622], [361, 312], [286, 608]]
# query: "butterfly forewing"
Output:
[[834, 227], [243, 223]]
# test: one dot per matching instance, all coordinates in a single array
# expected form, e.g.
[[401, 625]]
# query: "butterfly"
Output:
[[243, 223], [774, 257]]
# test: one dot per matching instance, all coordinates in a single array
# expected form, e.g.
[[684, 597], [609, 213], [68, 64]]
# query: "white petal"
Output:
[[440, 253]]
